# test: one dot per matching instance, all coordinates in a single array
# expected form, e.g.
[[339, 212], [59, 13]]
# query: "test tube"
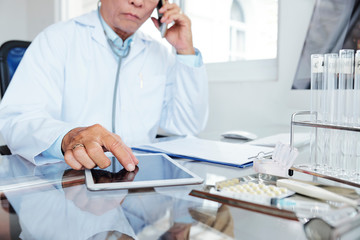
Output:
[[330, 112], [317, 69], [356, 107], [345, 108]]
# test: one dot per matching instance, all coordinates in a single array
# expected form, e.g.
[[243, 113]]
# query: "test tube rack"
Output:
[[312, 124]]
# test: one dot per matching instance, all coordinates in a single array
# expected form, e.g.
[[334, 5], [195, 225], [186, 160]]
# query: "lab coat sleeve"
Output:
[[31, 109], [185, 107], [191, 60]]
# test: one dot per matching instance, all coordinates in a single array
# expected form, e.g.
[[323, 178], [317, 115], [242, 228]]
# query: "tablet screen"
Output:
[[152, 167], [153, 170]]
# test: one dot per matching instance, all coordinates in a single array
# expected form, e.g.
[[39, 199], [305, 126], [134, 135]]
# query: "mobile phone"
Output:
[[163, 26]]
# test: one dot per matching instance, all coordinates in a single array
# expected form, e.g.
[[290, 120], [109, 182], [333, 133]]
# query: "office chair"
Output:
[[11, 53]]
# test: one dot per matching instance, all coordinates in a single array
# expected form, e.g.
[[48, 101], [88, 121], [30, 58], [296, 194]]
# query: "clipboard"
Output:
[[224, 153]]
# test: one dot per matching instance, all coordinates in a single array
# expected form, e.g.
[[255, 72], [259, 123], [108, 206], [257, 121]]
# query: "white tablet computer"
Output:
[[153, 170]]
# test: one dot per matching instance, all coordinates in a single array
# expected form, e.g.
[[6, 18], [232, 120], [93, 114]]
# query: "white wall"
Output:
[[41, 13], [265, 107], [13, 16], [24, 19]]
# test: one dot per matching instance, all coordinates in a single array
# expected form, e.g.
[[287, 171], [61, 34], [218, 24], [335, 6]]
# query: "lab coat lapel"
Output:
[[137, 46], [99, 36], [92, 20]]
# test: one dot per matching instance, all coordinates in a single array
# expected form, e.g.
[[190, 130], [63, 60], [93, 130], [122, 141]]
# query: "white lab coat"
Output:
[[66, 80]]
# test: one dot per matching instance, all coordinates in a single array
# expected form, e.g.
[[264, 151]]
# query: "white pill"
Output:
[[271, 194], [272, 187], [261, 185], [277, 192]]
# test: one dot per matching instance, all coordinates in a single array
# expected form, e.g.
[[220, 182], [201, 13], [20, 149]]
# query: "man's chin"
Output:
[[129, 26], [126, 31]]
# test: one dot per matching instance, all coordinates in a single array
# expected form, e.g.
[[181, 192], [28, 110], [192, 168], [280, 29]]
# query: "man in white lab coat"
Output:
[[95, 83]]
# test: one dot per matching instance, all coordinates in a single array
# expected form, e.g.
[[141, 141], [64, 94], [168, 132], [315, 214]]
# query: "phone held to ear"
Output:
[[163, 26]]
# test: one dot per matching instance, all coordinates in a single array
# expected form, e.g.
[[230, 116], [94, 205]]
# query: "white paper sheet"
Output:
[[206, 150]]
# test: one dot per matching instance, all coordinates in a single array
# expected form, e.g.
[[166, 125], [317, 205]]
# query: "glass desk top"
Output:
[[52, 202]]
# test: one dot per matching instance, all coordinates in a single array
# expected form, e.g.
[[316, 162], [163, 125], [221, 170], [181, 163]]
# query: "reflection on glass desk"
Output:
[[52, 202]]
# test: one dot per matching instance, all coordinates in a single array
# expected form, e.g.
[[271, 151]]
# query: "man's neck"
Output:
[[123, 35]]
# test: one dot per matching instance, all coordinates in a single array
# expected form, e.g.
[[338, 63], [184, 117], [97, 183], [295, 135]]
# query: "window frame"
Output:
[[245, 70], [240, 71]]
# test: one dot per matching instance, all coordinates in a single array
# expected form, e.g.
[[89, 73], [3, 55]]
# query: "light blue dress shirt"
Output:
[[54, 151]]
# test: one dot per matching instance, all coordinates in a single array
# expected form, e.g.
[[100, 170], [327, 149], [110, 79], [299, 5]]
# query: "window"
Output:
[[237, 38], [237, 32]]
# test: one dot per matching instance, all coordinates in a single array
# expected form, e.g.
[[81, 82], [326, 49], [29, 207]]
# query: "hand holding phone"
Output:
[[179, 35], [163, 26]]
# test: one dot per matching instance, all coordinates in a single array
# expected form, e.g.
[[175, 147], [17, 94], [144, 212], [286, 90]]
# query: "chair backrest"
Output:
[[11, 53]]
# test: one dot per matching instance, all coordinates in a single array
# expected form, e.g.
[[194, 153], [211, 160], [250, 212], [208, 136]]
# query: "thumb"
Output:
[[156, 22]]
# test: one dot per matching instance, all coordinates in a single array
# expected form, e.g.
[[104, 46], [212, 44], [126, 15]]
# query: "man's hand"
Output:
[[103, 176], [84, 147], [179, 35]]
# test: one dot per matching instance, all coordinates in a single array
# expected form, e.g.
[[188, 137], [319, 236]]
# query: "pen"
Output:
[[301, 206]]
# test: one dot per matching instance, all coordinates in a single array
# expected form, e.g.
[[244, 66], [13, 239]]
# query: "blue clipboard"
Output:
[[248, 164]]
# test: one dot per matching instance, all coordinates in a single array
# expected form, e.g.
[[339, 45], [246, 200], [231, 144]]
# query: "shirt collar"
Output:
[[118, 42], [92, 21]]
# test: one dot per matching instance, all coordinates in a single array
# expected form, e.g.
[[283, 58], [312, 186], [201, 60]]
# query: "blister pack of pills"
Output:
[[252, 191]]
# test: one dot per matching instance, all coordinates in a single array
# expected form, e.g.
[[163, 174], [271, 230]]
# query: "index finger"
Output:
[[135, 160], [117, 147], [167, 6]]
